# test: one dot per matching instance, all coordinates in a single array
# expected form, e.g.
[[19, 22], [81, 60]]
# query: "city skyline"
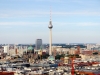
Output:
[[74, 21]]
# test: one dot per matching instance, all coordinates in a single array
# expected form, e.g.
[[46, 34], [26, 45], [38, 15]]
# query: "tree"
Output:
[[45, 55], [59, 56], [95, 53]]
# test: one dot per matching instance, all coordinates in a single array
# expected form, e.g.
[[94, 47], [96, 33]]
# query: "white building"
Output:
[[14, 49], [90, 46], [6, 49]]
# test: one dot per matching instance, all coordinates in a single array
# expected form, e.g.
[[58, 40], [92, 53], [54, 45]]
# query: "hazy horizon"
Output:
[[47, 43]]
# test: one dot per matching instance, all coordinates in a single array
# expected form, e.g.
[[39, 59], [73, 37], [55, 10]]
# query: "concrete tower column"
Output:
[[50, 45], [50, 41]]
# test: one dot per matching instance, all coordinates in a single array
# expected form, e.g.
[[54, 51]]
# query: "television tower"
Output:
[[50, 43]]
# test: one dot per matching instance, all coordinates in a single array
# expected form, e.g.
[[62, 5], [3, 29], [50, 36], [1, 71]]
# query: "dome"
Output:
[[30, 48]]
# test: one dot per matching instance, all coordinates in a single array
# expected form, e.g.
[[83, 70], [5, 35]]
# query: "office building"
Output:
[[38, 44]]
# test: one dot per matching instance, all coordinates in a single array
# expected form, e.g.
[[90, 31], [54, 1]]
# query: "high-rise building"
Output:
[[38, 44]]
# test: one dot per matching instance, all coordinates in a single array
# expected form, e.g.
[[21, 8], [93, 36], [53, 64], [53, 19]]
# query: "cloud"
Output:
[[49, 1], [9, 14], [19, 13], [78, 24], [22, 23], [88, 24], [46, 23], [16, 14], [40, 0], [84, 13]]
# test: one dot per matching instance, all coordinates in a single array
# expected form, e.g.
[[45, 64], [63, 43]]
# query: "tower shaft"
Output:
[[50, 37], [50, 43]]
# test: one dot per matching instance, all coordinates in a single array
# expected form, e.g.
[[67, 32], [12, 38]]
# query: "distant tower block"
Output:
[[50, 43], [38, 44], [16, 51], [78, 49]]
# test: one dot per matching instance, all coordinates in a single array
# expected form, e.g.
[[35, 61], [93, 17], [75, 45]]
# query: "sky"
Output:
[[74, 21]]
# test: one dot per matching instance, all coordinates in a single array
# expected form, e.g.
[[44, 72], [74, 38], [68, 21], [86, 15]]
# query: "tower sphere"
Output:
[[50, 25]]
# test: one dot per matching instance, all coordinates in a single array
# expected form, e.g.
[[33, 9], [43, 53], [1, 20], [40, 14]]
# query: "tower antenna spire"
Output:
[[50, 13]]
